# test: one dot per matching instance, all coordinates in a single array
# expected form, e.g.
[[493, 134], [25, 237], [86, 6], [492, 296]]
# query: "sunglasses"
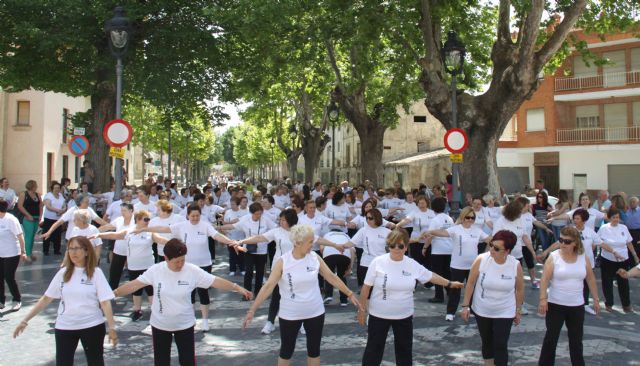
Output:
[[565, 241], [146, 219], [369, 218], [470, 218], [399, 246], [495, 248]]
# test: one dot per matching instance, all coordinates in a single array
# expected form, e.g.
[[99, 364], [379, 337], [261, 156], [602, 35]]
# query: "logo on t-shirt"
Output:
[[405, 273], [505, 277], [201, 233], [311, 269], [86, 281], [183, 283]]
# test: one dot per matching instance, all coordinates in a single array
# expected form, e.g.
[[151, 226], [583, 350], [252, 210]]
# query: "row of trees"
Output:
[[288, 59]]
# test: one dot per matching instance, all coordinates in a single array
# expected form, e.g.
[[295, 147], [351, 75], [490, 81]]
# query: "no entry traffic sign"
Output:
[[79, 145], [117, 133], [456, 140]]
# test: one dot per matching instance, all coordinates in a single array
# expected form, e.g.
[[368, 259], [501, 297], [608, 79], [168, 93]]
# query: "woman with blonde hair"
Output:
[[85, 300], [564, 274]]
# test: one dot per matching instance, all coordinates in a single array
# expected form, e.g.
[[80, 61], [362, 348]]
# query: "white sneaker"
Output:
[[449, 317], [302, 331], [232, 273], [344, 304], [327, 300], [16, 305], [268, 328], [589, 310], [205, 325], [523, 310], [243, 273]]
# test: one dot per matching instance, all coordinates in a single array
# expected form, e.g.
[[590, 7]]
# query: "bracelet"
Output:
[[250, 311], [465, 306], [449, 284]]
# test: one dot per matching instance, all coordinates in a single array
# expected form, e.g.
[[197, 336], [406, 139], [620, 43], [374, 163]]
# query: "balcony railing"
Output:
[[598, 134], [606, 80]]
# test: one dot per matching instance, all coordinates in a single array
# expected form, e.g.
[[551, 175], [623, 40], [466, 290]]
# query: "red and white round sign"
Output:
[[117, 133], [456, 140]]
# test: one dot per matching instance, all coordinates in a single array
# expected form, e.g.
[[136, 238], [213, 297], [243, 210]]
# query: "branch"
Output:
[[530, 31], [504, 17], [403, 40], [332, 59], [560, 33]]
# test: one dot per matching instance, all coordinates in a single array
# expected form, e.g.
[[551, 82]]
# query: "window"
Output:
[[535, 119], [420, 119], [614, 71], [347, 158], [423, 146], [615, 121], [65, 125], [580, 68], [635, 59], [65, 165], [636, 113], [338, 146], [23, 113], [357, 157], [321, 162], [587, 116]]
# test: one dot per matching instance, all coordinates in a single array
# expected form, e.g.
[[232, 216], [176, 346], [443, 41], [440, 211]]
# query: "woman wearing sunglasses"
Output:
[[139, 255], [465, 237], [565, 272], [497, 287], [390, 281]]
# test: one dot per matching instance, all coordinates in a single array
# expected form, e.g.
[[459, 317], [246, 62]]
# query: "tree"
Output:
[[58, 46]]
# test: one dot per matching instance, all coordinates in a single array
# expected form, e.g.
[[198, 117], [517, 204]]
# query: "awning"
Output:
[[431, 155]]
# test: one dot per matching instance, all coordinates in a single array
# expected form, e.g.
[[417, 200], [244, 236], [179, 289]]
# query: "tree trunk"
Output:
[[479, 170], [292, 165], [371, 149], [103, 108]]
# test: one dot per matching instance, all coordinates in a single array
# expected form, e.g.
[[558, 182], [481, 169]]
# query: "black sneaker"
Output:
[[436, 300], [136, 315]]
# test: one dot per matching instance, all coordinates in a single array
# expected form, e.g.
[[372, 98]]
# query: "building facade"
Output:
[[580, 131], [34, 132]]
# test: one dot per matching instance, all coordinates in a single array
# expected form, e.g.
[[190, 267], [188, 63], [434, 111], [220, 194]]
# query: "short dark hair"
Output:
[[174, 248], [198, 197], [255, 207], [438, 204], [4, 206], [584, 214], [290, 216], [337, 197], [321, 201], [377, 216], [513, 210], [269, 198], [612, 212], [507, 237], [53, 184], [193, 207]]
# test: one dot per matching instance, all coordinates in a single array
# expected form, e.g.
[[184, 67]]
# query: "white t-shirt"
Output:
[[80, 298], [516, 227], [315, 194], [590, 240], [139, 251], [57, 203], [594, 215], [252, 228], [336, 238], [151, 207], [8, 195], [465, 245], [68, 218], [617, 237], [319, 223], [340, 213], [231, 215], [392, 284], [494, 295], [282, 201], [10, 228], [300, 296], [273, 214], [167, 222], [373, 241], [361, 221], [442, 221], [196, 238], [120, 246], [482, 217], [114, 210], [172, 309], [420, 221], [282, 239], [567, 281], [87, 232]]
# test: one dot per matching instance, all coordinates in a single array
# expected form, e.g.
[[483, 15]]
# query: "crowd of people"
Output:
[[297, 243]]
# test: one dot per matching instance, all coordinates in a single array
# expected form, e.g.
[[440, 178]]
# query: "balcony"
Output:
[[598, 135], [606, 80]]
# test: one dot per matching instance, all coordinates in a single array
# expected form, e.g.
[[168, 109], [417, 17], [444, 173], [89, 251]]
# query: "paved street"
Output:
[[610, 339]]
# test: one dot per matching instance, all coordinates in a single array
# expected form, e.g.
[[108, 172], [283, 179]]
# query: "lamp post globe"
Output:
[[333, 111], [453, 53]]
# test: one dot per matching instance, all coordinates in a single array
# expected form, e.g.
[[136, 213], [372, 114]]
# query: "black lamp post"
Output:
[[272, 143], [334, 113], [452, 54], [118, 31]]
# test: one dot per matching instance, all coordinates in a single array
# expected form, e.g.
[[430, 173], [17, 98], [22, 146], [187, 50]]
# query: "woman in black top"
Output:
[[540, 210], [30, 206]]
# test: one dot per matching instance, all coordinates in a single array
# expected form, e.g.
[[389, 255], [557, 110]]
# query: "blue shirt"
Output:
[[632, 221]]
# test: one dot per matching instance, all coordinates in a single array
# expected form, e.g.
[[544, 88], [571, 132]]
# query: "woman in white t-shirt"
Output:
[[585, 203], [339, 211], [419, 220], [54, 207], [390, 281], [232, 216], [465, 237], [124, 221], [441, 248], [85, 296], [616, 245], [172, 318], [82, 227], [564, 274], [81, 203], [194, 233], [11, 250], [296, 274], [497, 287], [165, 217], [494, 211], [139, 254]]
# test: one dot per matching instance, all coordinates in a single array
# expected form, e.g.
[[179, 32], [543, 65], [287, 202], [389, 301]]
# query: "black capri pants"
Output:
[[495, 333], [148, 289], [185, 342], [528, 258], [203, 293], [289, 333], [92, 342]]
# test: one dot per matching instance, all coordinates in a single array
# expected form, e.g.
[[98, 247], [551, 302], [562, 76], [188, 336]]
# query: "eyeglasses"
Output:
[[495, 248], [74, 249], [394, 246], [470, 218], [369, 218], [146, 219], [565, 241]]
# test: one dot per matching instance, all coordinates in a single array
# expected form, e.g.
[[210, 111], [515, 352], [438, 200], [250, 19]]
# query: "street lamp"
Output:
[[272, 143], [334, 113], [118, 31], [452, 54]]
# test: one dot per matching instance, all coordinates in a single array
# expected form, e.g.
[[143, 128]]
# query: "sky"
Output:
[[234, 119]]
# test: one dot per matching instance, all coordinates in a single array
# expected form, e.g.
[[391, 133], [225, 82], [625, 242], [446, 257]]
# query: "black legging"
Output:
[[289, 333], [608, 271], [251, 261], [459, 275], [359, 273], [148, 289], [271, 251], [378, 329], [274, 304], [92, 342], [185, 343], [494, 333], [203, 293], [115, 270], [338, 264], [8, 267], [440, 264], [55, 237], [557, 316]]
